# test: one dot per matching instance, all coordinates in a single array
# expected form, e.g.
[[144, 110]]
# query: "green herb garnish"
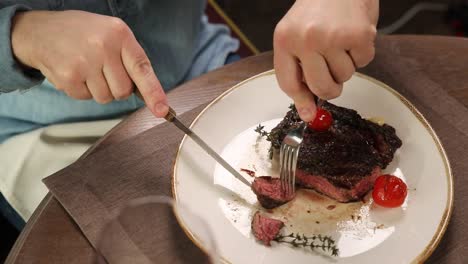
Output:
[[261, 130], [325, 243], [263, 133]]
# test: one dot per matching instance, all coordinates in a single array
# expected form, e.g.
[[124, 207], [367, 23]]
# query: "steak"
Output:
[[269, 192], [264, 228], [324, 186], [344, 161]]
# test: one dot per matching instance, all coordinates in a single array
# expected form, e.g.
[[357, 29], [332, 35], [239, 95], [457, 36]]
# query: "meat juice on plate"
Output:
[[356, 227]]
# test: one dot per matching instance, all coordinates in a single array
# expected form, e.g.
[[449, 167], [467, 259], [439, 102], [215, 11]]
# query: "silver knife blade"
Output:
[[171, 117]]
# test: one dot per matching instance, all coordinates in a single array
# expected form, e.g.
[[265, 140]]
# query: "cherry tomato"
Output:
[[389, 191], [323, 120]]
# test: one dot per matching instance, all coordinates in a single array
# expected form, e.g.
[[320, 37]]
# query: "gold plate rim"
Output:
[[428, 250]]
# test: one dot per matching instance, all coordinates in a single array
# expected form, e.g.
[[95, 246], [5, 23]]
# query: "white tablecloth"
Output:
[[28, 158]]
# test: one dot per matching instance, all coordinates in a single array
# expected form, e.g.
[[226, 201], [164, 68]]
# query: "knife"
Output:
[[172, 117]]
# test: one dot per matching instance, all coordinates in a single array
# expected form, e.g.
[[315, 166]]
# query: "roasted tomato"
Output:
[[323, 120], [389, 191]]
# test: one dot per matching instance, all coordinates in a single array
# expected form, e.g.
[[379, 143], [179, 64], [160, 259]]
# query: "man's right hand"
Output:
[[319, 44], [87, 56]]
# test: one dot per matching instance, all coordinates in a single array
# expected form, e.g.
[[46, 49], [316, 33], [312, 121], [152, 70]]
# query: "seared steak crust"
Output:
[[349, 151]]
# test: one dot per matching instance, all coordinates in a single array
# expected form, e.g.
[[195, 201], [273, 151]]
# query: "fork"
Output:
[[289, 152]]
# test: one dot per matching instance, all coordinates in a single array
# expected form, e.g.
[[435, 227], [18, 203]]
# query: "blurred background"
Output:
[[257, 20]]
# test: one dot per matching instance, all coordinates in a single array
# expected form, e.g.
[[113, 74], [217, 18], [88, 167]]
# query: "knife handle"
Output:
[[171, 115]]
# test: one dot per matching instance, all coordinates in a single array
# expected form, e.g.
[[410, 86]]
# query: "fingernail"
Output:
[[161, 109], [306, 114]]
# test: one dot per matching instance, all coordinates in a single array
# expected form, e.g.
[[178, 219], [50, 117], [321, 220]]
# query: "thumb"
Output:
[[305, 105]]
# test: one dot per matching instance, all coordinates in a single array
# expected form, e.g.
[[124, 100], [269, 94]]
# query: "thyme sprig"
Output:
[[263, 133], [276, 135], [314, 242]]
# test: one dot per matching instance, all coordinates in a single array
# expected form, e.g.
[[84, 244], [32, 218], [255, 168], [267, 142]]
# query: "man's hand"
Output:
[[319, 44], [87, 56]]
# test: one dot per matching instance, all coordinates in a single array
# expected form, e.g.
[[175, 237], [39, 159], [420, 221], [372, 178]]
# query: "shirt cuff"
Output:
[[13, 76]]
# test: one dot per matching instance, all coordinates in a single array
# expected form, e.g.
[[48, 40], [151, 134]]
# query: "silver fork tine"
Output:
[[293, 169], [283, 168], [289, 152], [282, 172]]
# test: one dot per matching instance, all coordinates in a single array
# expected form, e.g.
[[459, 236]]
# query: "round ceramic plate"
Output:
[[363, 232]]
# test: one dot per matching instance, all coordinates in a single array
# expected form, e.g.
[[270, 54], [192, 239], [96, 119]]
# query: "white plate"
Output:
[[364, 232]]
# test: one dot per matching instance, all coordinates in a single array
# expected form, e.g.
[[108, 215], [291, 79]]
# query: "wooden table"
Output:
[[51, 236]]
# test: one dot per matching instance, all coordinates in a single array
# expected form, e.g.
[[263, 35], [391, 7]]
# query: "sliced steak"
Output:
[[264, 228], [324, 186], [269, 193], [343, 161]]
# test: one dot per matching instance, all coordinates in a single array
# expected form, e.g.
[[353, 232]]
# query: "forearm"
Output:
[[23, 29], [14, 75]]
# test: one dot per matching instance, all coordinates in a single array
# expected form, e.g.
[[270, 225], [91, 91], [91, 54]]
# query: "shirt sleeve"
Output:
[[13, 75]]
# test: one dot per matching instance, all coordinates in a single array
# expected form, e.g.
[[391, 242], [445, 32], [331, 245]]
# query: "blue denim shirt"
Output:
[[175, 34]]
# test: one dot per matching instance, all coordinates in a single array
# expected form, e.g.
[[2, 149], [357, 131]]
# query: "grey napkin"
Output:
[[93, 189]]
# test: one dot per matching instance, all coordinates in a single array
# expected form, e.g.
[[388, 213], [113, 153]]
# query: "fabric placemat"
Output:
[[143, 164], [92, 194]]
